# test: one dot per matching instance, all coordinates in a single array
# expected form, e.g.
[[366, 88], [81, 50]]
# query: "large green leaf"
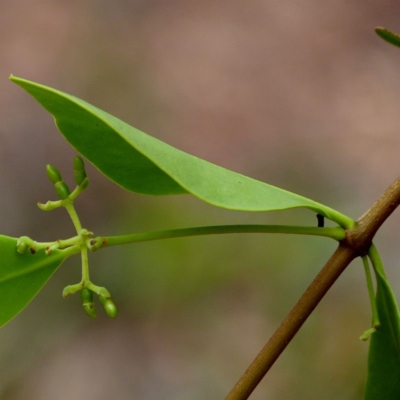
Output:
[[383, 381], [143, 164], [22, 276]]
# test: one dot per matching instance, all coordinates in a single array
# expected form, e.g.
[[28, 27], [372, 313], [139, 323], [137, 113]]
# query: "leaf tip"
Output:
[[388, 36]]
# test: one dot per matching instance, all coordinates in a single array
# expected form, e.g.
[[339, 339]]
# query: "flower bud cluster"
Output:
[[89, 306]]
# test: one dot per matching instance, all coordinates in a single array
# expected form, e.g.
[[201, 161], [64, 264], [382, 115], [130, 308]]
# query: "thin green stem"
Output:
[[62, 244], [336, 233], [376, 260], [71, 251], [374, 308], [79, 189], [84, 250], [85, 264], [69, 206]]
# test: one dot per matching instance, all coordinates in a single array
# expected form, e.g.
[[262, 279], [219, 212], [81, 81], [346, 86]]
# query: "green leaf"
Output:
[[391, 37], [383, 382], [143, 164], [22, 276]]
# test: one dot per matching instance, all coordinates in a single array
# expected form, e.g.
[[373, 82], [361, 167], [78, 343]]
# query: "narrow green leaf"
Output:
[[391, 37], [22, 276], [383, 382], [143, 164]]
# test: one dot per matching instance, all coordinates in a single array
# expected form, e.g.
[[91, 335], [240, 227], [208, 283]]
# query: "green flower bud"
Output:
[[21, 247], [87, 302], [86, 296], [96, 243], [24, 243], [103, 292], [79, 165], [84, 184], [53, 173], [62, 190], [90, 310], [109, 306], [79, 177], [79, 170]]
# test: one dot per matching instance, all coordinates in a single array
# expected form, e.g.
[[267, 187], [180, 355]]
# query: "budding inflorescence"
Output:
[[82, 242], [88, 302], [60, 186]]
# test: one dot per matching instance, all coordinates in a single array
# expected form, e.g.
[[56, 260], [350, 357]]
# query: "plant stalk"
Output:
[[292, 323], [337, 233], [358, 242], [371, 292]]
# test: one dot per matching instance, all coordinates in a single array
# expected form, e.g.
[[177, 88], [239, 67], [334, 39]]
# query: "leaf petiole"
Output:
[[376, 261], [337, 233], [375, 317]]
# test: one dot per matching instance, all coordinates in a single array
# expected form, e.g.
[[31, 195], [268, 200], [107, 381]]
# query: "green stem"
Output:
[[71, 251], [336, 233], [85, 264], [84, 251], [371, 291], [376, 261], [73, 214]]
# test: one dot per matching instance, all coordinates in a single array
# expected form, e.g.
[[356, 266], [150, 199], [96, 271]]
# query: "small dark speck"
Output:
[[321, 221]]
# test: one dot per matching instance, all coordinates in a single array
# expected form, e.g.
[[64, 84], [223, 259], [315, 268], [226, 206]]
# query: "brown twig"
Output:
[[358, 240]]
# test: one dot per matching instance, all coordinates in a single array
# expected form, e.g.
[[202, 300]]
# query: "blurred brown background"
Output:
[[300, 94]]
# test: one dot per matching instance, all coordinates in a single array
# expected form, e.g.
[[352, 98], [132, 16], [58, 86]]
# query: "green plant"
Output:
[[142, 164]]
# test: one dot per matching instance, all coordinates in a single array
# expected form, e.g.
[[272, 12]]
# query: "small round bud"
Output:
[[79, 165], [86, 296], [79, 177], [53, 173], [24, 243], [62, 190], [109, 306], [96, 243], [110, 309], [21, 247], [84, 184], [87, 302], [102, 300], [79, 170], [103, 293], [90, 310]]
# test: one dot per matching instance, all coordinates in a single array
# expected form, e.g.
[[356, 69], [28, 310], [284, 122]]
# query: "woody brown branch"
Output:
[[358, 240]]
